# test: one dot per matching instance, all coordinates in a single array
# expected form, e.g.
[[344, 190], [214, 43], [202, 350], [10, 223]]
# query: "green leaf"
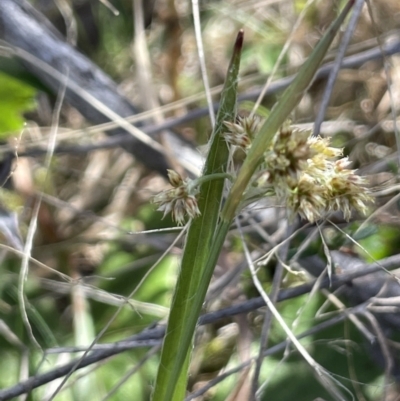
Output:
[[190, 290], [15, 99]]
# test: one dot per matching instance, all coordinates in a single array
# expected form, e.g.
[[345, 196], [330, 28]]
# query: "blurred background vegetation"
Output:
[[94, 202]]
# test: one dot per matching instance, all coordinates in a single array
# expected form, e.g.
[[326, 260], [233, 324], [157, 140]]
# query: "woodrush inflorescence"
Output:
[[304, 173]]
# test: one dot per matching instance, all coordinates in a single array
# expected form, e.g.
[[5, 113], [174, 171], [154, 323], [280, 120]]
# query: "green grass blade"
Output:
[[186, 304]]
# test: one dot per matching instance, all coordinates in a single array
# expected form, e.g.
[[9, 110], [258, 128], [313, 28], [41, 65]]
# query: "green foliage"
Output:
[[340, 350], [112, 55], [16, 98], [381, 243], [262, 55]]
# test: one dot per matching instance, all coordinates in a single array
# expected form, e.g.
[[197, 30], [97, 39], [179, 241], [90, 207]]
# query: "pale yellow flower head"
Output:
[[305, 174]]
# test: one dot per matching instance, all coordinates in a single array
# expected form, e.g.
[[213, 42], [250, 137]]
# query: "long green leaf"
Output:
[[186, 304]]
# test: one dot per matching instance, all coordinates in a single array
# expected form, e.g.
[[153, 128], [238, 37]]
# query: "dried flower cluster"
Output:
[[179, 200], [305, 175]]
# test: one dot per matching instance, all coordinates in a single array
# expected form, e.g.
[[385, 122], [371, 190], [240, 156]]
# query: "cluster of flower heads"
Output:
[[180, 200], [305, 173]]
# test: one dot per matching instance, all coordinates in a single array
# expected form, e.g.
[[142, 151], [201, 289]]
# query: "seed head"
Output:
[[242, 133], [288, 155], [305, 175], [179, 201]]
